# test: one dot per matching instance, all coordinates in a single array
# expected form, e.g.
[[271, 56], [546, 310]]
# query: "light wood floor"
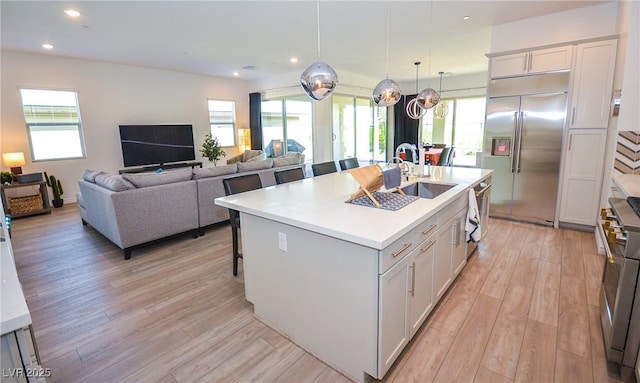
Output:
[[525, 309]]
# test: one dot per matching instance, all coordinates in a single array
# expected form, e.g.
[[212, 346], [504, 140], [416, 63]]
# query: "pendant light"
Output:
[[319, 80], [442, 109], [428, 98], [412, 109], [387, 92]]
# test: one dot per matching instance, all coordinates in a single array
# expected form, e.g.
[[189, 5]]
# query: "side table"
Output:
[[44, 194]]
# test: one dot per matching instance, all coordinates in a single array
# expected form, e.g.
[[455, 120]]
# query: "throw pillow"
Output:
[[141, 180], [285, 161], [215, 171], [249, 154], [257, 165], [90, 175], [259, 157], [113, 182]]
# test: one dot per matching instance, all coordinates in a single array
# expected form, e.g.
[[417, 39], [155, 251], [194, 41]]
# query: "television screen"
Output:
[[156, 144]]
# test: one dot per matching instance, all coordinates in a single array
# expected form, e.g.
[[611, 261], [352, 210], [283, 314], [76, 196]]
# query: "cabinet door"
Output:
[[459, 250], [442, 262], [421, 280], [583, 176], [509, 65], [551, 59], [394, 307], [593, 84]]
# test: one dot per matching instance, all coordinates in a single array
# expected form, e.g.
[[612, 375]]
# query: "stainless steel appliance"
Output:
[[483, 193], [523, 142], [620, 292]]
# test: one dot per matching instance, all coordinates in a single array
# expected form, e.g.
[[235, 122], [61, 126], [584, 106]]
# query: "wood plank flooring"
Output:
[[525, 309]]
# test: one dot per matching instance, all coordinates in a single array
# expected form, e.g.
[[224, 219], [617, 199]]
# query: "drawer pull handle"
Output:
[[431, 243], [431, 227], [404, 247], [413, 277]]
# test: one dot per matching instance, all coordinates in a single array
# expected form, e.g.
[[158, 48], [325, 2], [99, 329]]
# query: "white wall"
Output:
[[109, 95], [629, 118]]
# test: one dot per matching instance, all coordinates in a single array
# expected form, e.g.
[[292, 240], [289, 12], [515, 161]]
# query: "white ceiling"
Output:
[[220, 37]]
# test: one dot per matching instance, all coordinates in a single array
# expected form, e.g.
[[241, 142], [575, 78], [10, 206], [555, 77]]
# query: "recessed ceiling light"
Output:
[[249, 67], [466, 17], [293, 60], [72, 12], [47, 46], [236, 74]]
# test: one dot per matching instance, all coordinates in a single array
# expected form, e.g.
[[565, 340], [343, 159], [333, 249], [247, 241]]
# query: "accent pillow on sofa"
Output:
[[259, 157], [90, 175], [294, 158], [113, 182], [257, 165], [215, 171], [141, 180]]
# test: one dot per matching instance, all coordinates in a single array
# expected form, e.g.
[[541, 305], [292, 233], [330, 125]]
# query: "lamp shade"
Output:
[[428, 98], [13, 159], [319, 80], [386, 93]]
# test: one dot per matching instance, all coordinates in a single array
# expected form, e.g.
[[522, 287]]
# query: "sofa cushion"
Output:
[[90, 175], [249, 154], [257, 165], [113, 182], [287, 160], [259, 157], [141, 180], [215, 171]]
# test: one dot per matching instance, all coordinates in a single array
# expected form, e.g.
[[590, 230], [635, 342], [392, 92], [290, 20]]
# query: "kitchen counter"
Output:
[[629, 184], [333, 276], [14, 313]]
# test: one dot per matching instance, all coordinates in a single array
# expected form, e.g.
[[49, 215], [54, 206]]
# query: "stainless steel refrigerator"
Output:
[[523, 144]]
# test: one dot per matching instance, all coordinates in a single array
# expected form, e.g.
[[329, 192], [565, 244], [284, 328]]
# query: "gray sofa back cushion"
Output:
[[142, 180], [90, 175], [256, 165], [113, 182], [286, 161], [215, 171]]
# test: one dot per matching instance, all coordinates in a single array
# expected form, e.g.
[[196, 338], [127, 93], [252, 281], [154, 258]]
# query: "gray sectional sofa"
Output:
[[134, 209]]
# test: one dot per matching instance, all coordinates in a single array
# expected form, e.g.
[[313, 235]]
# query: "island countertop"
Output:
[[318, 204]]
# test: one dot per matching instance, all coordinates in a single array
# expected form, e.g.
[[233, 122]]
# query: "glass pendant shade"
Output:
[[387, 93], [428, 98], [319, 80]]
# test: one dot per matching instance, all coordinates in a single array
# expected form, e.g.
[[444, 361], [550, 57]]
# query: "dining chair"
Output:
[[237, 185], [288, 175], [451, 154], [349, 163], [444, 156], [324, 168]]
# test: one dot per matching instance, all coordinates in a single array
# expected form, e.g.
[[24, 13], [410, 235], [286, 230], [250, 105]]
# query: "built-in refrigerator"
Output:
[[523, 145]]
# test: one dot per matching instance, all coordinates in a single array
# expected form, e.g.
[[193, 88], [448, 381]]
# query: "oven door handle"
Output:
[[483, 190]]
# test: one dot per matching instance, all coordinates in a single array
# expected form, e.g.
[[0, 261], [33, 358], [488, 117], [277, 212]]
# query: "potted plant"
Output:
[[211, 149], [56, 188], [6, 177]]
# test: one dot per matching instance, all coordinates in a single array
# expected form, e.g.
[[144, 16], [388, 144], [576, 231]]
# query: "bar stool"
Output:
[[288, 175], [349, 163], [324, 168]]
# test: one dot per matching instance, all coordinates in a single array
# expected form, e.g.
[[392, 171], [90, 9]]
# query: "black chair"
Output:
[[349, 163], [289, 175], [324, 168], [451, 153], [444, 156], [237, 185]]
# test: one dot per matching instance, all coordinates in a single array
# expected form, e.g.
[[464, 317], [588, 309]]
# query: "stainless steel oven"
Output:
[[483, 193], [620, 290]]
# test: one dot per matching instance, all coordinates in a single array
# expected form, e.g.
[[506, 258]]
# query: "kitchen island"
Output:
[[351, 284]]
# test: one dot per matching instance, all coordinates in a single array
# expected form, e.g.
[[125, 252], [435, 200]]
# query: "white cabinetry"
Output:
[[583, 176], [537, 61], [459, 245], [421, 288], [442, 267], [593, 85]]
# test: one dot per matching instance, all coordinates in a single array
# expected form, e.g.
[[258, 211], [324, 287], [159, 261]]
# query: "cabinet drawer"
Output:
[[453, 208], [425, 229], [396, 251]]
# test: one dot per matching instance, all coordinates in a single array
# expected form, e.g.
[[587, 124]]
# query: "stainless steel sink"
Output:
[[426, 189]]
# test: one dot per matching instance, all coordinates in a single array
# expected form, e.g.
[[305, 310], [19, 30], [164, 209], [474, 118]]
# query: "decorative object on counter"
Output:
[[14, 161], [319, 80], [56, 188], [387, 92], [211, 149], [442, 109]]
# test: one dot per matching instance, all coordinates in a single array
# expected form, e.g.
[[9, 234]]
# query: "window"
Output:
[[359, 129], [287, 126], [463, 128], [53, 124], [222, 117]]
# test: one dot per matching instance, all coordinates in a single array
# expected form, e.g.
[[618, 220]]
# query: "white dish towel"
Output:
[[473, 218]]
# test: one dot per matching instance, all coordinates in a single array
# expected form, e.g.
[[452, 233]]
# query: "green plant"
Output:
[[211, 149], [6, 177], [55, 185]]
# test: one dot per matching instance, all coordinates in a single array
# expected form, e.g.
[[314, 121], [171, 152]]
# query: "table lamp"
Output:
[[14, 161]]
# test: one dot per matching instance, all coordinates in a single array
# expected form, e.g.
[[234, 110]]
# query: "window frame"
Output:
[[30, 125], [220, 125]]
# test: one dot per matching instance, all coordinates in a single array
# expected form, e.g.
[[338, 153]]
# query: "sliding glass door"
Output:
[[287, 126]]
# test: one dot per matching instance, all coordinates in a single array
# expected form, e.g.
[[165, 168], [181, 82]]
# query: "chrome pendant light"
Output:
[[387, 92], [442, 109], [412, 109], [428, 98], [319, 80]]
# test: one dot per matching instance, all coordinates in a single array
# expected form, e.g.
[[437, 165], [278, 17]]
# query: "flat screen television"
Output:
[[156, 144]]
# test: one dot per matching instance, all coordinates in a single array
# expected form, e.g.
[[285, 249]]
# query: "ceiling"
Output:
[[220, 37]]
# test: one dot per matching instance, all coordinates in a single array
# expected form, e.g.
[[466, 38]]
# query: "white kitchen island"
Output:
[[348, 283]]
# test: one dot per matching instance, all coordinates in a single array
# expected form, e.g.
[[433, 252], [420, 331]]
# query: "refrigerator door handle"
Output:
[[515, 143], [519, 143]]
